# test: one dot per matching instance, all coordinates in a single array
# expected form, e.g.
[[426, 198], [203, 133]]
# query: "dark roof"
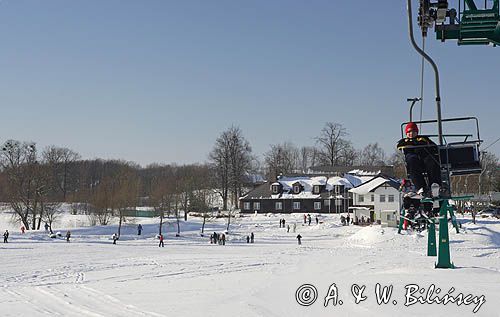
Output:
[[262, 190]]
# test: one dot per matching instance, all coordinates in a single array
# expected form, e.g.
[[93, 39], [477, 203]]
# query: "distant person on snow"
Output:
[[46, 227], [223, 238], [298, 239], [5, 236], [348, 218], [68, 235], [139, 229], [421, 155], [248, 239], [161, 241], [294, 227], [309, 219], [114, 237], [305, 218], [22, 229], [251, 237], [287, 228], [317, 220]]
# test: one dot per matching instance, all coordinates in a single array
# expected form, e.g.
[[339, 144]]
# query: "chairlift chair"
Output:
[[455, 157]]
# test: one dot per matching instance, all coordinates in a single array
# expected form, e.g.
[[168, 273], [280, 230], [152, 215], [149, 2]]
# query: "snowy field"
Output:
[[90, 276]]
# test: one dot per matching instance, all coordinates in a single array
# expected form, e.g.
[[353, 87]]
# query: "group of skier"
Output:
[[218, 238]]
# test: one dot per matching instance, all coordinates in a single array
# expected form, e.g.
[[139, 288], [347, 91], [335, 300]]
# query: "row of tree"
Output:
[[35, 183]]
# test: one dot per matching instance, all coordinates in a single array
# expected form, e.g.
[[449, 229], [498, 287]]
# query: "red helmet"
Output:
[[411, 126]]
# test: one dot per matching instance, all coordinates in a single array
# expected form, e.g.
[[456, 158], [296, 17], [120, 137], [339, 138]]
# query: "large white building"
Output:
[[382, 196]]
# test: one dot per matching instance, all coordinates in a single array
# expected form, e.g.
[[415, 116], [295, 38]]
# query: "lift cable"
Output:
[[491, 144], [422, 83]]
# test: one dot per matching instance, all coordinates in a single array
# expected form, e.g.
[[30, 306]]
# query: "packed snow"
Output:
[[89, 276]]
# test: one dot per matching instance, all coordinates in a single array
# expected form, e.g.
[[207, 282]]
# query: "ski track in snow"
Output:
[[75, 300], [92, 277]]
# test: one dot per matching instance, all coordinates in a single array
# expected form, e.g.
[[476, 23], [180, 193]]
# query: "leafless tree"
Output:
[[281, 159], [161, 194], [61, 161], [489, 172], [331, 142], [397, 160], [52, 212], [231, 160], [349, 156], [373, 155], [125, 190], [26, 185]]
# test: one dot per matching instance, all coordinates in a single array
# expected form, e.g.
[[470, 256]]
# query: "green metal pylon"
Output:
[[431, 238], [401, 219], [453, 218], [444, 260]]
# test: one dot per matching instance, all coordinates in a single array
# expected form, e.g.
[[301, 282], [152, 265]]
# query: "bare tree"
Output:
[[331, 142], [373, 155], [489, 172], [308, 157], [61, 161], [281, 159], [19, 162], [397, 159], [52, 212], [125, 189], [162, 195], [349, 156], [231, 160]]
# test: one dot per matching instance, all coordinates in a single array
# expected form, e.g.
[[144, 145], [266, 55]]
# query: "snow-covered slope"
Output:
[[90, 276]]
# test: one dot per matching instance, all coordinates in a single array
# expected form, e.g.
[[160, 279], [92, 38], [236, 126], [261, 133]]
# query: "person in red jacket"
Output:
[[421, 156], [161, 241]]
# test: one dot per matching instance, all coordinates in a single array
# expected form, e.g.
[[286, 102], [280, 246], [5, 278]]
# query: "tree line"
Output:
[[34, 183]]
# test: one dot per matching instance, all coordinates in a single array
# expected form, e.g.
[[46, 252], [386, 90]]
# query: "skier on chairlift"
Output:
[[421, 156]]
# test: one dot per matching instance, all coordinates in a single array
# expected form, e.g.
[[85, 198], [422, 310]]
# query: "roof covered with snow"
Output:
[[307, 183], [373, 184]]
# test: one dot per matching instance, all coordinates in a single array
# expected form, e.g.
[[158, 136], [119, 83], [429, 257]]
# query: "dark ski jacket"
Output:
[[420, 145]]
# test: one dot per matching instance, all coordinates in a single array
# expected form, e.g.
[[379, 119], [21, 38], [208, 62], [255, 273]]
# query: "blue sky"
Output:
[[158, 81]]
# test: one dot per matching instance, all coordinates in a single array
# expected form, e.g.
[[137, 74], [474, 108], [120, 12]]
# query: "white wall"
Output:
[[386, 191]]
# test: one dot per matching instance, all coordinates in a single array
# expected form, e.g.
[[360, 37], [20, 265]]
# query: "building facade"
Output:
[[302, 194]]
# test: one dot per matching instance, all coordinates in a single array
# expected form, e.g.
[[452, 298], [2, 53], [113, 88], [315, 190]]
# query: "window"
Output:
[[361, 198], [326, 202], [317, 205], [256, 206], [316, 189], [296, 205], [278, 205], [382, 198], [296, 189], [391, 198], [275, 189], [246, 205], [337, 189], [372, 197], [389, 217]]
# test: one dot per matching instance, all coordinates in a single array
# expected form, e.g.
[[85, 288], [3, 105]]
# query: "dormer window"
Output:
[[316, 189], [275, 189], [296, 189]]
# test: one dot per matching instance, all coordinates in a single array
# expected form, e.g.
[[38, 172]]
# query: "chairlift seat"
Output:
[[462, 159]]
